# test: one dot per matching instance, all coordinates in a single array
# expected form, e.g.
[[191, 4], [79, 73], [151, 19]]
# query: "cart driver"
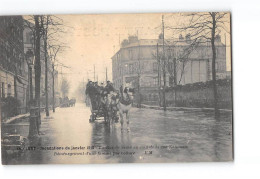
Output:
[[109, 87], [91, 92], [89, 88]]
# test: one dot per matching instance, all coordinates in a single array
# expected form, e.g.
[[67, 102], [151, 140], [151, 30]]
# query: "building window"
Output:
[[155, 81], [3, 90], [9, 89], [126, 69], [154, 97], [155, 67], [150, 97], [131, 68], [171, 80], [130, 54], [170, 66], [29, 37]]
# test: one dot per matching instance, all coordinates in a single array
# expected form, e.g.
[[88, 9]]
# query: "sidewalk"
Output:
[[18, 117], [183, 108], [21, 116]]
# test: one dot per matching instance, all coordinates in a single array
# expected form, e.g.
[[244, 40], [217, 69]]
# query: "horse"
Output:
[[103, 103], [124, 105], [113, 101]]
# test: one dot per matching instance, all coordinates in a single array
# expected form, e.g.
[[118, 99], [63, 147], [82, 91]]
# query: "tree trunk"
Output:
[[15, 87], [46, 75], [139, 76], [159, 74], [37, 65], [175, 79], [139, 94], [15, 93], [164, 68], [35, 121], [214, 63], [30, 83], [53, 89], [164, 84]]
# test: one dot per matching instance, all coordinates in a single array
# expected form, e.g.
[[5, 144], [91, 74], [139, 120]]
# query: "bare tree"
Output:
[[48, 29], [35, 122], [176, 58], [65, 86], [53, 53], [204, 28], [52, 30], [45, 26]]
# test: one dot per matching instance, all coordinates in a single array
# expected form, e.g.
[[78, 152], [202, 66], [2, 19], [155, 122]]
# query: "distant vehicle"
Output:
[[72, 102], [66, 102]]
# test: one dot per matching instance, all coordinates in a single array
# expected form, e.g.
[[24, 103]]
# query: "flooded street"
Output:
[[155, 136]]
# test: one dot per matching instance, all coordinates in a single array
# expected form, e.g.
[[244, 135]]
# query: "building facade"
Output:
[[13, 79], [16, 39], [141, 63]]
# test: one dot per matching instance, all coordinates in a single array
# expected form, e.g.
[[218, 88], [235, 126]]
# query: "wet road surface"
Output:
[[155, 136]]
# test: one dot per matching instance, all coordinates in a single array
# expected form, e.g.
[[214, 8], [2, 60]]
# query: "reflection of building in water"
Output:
[[137, 59]]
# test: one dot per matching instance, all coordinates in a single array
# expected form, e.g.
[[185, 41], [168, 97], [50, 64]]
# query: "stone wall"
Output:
[[200, 95]]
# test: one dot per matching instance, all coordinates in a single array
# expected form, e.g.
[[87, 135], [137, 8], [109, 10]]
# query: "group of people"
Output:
[[97, 92], [106, 98]]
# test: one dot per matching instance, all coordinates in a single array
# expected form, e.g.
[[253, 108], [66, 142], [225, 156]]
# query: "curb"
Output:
[[183, 108], [12, 119]]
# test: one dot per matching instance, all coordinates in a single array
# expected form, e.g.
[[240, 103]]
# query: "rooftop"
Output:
[[133, 41]]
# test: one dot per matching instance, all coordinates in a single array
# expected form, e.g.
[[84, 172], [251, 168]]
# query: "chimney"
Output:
[[218, 38], [181, 37], [161, 36], [132, 39], [188, 37]]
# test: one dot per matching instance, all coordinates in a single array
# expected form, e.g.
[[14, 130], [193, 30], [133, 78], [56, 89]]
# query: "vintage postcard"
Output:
[[116, 88]]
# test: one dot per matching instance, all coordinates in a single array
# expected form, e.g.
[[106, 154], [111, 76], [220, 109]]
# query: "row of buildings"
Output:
[[16, 40], [141, 63]]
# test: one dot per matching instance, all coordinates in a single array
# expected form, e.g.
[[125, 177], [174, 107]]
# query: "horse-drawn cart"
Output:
[[101, 107]]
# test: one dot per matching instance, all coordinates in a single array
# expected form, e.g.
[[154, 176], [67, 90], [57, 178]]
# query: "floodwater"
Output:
[[155, 136]]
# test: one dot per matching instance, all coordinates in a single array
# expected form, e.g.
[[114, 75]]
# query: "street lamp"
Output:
[[34, 114], [30, 61]]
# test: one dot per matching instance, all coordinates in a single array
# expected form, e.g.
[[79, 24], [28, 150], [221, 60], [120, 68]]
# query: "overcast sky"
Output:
[[93, 40]]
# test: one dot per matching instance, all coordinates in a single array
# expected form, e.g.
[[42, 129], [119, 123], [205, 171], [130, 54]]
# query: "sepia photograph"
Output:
[[116, 88]]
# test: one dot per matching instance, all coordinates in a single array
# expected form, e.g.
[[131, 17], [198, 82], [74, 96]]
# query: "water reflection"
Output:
[[156, 136], [112, 140], [192, 136]]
